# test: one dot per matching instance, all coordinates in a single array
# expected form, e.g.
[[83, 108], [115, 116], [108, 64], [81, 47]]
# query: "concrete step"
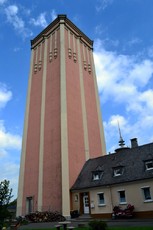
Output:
[[82, 218]]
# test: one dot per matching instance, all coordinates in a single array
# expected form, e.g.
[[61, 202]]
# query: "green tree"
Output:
[[5, 197]]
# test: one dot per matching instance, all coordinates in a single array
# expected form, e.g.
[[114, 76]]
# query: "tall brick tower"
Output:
[[63, 124]]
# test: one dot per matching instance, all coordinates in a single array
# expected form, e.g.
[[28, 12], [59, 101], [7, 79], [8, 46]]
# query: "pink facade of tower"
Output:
[[63, 124]]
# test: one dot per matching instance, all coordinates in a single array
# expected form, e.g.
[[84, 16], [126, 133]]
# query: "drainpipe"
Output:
[[111, 199]]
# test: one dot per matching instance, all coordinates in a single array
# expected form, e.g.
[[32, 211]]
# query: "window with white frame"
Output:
[[149, 165], [96, 175], [101, 200], [122, 197], [146, 194], [76, 198], [118, 171]]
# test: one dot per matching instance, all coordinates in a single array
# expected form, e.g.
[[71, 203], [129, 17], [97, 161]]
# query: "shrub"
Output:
[[98, 225]]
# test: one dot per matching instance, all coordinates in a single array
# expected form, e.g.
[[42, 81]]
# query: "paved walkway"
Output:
[[110, 223]]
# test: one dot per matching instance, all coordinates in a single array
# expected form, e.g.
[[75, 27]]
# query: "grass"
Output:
[[130, 228], [85, 228], [109, 228]]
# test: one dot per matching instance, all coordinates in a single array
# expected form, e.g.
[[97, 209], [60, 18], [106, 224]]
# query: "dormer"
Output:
[[148, 165], [118, 171], [96, 175]]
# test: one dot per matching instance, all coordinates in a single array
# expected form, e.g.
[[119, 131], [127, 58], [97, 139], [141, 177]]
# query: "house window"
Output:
[[76, 198], [146, 193], [101, 200], [122, 198], [149, 165], [118, 171], [96, 175]]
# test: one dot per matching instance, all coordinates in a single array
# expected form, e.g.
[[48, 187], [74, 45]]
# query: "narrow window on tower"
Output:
[[29, 204]]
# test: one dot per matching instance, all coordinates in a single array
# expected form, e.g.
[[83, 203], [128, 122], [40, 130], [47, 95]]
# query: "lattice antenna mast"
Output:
[[121, 141]]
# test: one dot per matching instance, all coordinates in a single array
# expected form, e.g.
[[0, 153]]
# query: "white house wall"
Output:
[[133, 193]]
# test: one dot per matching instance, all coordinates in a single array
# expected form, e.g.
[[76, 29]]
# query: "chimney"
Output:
[[134, 143]]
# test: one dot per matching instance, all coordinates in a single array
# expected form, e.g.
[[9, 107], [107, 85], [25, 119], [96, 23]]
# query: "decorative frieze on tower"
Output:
[[63, 125]]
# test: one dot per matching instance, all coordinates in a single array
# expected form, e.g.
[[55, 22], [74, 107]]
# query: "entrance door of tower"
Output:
[[86, 203], [29, 205]]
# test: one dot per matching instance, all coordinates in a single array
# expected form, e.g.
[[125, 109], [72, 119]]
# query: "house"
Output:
[[122, 178]]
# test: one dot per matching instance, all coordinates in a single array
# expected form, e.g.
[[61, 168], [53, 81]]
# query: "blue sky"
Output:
[[123, 52]]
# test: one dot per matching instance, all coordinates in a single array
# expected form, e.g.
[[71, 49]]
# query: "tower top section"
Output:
[[61, 19]]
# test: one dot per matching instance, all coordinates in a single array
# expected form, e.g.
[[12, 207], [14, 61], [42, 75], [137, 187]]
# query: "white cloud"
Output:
[[40, 21], [10, 171], [134, 41], [10, 146], [7, 168], [16, 49], [150, 52], [124, 81], [12, 14], [120, 76], [53, 14], [5, 95], [117, 119], [147, 97], [8, 140], [25, 11], [141, 73], [103, 4], [13, 18], [3, 153], [112, 134], [2, 2], [99, 29]]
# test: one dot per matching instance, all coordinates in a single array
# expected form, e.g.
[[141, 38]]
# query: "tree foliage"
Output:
[[5, 197], [5, 193]]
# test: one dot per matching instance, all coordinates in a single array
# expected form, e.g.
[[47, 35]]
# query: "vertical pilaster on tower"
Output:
[[20, 207], [83, 104], [64, 128], [42, 121]]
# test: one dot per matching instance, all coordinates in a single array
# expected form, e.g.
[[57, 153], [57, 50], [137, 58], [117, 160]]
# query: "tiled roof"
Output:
[[131, 159]]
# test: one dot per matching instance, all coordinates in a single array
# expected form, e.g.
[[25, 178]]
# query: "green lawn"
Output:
[[130, 228], [109, 228]]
